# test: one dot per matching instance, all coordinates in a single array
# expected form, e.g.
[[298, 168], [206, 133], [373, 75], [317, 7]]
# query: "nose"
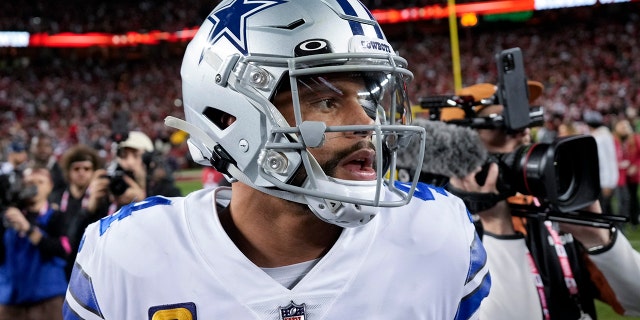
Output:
[[361, 114]]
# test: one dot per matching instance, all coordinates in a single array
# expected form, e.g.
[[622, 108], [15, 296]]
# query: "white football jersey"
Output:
[[170, 258]]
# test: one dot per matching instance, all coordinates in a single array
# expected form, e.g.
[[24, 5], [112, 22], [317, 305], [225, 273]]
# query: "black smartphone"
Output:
[[512, 91]]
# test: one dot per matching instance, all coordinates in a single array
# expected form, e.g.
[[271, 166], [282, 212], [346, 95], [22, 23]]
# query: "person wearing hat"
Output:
[[138, 172], [539, 269], [17, 157]]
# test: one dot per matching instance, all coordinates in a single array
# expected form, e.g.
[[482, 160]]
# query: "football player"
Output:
[[303, 105]]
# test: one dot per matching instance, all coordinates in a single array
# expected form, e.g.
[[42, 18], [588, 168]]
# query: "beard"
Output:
[[330, 166]]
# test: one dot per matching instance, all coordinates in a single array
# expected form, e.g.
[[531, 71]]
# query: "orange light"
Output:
[[469, 20]]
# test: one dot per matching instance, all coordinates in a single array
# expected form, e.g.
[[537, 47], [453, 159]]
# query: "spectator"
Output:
[[34, 250], [212, 178], [17, 158], [630, 146], [42, 156], [607, 160], [80, 205]]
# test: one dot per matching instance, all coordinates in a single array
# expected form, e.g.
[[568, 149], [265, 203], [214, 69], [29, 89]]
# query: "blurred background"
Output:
[[70, 69]]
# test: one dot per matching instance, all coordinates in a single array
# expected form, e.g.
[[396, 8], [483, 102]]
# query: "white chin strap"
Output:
[[344, 214]]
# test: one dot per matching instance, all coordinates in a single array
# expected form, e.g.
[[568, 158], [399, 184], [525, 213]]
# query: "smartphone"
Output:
[[512, 91]]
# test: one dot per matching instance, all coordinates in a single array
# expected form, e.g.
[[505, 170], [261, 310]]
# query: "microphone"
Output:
[[451, 151]]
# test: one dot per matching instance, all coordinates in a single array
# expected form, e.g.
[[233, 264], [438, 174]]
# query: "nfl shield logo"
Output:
[[292, 312]]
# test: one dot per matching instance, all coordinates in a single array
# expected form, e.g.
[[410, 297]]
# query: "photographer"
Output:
[[540, 269], [33, 247], [136, 173]]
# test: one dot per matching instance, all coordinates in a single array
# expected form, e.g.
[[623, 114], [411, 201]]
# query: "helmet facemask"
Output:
[[378, 128]]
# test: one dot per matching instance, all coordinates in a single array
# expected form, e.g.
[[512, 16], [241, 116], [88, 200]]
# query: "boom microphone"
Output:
[[452, 151]]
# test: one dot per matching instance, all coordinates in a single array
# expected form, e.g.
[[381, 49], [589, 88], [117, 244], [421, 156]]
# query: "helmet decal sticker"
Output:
[[356, 27], [229, 21]]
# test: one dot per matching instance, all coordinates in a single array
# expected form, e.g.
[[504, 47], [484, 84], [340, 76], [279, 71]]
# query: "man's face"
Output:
[[337, 101], [42, 180], [80, 173], [131, 159], [18, 158], [43, 149]]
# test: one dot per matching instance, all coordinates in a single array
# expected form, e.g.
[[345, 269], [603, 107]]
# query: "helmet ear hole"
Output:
[[221, 119]]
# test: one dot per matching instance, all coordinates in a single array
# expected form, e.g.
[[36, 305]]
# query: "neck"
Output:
[[77, 191], [497, 220], [272, 232]]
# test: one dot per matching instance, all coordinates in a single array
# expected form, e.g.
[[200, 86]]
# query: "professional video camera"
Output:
[[512, 91], [563, 175], [13, 192]]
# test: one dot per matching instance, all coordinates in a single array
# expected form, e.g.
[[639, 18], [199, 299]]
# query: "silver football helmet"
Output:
[[246, 52]]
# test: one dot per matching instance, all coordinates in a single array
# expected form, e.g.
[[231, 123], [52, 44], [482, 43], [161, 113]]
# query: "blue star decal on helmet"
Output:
[[229, 21]]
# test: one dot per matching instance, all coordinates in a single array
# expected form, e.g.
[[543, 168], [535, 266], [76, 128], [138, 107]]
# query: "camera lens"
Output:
[[564, 173], [565, 177]]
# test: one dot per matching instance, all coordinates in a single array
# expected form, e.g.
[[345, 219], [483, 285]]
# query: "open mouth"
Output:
[[359, 165]]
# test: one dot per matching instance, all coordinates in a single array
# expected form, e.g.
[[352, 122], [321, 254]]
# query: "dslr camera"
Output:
[[563, 174], [13, 191], [117, 184]]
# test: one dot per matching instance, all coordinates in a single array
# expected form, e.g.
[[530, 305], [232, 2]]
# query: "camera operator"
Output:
[[540, 269], [33, 247], [135, 174]]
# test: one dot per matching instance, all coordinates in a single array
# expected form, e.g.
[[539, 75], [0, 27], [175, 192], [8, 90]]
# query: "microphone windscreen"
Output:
[[451, 150]]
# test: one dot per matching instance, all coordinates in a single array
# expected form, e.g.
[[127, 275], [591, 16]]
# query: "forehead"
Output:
[[126, 151], [38, 176], [81, 164]]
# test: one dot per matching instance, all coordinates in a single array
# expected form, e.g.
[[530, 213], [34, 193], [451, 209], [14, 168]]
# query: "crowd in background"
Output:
[[583, 56]]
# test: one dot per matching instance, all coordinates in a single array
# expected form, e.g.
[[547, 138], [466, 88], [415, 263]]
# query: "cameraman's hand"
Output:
[[99, 190], [469, 183], [590, 237], [135, 192], [15, 219], [497, 219]]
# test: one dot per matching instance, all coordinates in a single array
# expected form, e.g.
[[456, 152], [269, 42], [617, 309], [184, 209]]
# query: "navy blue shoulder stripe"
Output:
[[68, 313], [478, 262], [471, 302], [478, 258], [81, 289]]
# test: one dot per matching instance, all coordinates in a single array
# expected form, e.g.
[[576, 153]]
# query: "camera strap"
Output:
[[537, 280], [569, 279]]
